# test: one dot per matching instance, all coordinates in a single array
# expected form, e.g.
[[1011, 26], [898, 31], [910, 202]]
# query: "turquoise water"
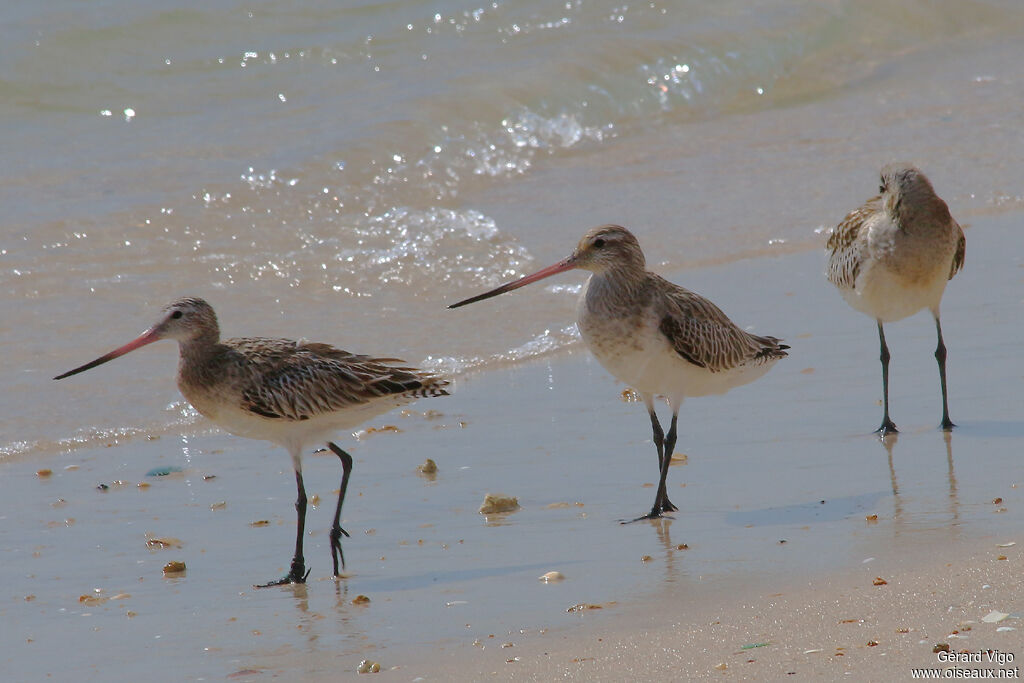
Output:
[[342, 172]]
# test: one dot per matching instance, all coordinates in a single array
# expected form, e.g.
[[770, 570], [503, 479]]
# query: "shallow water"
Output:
[[787, 458], [342, 174]]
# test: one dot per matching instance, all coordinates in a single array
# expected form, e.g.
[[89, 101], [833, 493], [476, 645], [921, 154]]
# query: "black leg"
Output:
[[336, 531], [670, 446], [297, 573], [940, 356], [664, 446], [887, 425], [659, 445]]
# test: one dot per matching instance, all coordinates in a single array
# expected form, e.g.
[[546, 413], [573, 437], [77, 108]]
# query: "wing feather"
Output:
[[300, 380], [844, 248], [703, 335]]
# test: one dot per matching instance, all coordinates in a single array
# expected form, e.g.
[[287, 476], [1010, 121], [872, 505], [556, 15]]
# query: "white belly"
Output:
[[291, 434], [637, 353], [888, 296]]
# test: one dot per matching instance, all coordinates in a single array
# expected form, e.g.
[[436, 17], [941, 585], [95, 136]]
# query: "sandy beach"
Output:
[[848, 624], [790, 511], [342, 173]]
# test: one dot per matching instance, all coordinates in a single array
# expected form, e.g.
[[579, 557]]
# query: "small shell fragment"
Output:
[[879, 581], [155, 543], [45, 472], [552, 577], [368, 667], [428, 467], [364, 433], [994, 617], [174, 567], [496, 503], [260, 522], [360, 600], [219, 505], [583, 606]]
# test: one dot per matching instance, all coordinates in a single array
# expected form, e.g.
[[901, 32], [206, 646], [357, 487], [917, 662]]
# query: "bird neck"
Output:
[[200, 366], [615, 288], [200, 347]]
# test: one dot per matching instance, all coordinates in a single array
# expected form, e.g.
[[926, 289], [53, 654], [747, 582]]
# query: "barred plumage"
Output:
[[893, 256], [293, 393], [661, 339]]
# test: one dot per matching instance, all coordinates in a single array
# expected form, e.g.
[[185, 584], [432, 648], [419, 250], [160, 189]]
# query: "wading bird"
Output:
[[893, 256], [657, 337], [293, 393]]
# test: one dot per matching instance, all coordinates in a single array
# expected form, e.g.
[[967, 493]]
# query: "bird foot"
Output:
[[336, 553], [655, 513], [887, 428], [667, 506], [947, 425], [297, 575]]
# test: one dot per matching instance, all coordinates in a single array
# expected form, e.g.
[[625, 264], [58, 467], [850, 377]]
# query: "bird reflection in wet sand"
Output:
[[889, 442], [296, 394], [657, 337]]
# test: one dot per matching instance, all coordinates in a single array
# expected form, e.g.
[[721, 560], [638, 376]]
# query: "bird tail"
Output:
[[432, 387], [772, 349]]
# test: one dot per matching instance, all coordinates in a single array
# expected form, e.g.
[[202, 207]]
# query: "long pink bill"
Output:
[[148, 337], [560, 267]]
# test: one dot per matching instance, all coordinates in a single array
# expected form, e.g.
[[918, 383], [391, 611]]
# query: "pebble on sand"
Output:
[[174, 567], [496, 503]]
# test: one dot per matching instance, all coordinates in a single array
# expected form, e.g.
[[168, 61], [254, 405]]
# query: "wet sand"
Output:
[[775, 493], [851, 623]]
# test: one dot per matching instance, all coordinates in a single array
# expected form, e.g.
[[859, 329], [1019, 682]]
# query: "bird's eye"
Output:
[[599, 243], [177, 314]]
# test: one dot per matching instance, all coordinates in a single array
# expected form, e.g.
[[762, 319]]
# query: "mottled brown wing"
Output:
[[702, 334], [961, 250], [310, 379], [844, 253]]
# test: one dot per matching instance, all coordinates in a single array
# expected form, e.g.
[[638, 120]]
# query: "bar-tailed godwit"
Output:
[[657, 337], [893, 256], [293, 393]]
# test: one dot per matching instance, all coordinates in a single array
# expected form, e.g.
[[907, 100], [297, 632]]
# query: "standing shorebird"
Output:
[[655, 336], [293, 393], [893, 256]]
